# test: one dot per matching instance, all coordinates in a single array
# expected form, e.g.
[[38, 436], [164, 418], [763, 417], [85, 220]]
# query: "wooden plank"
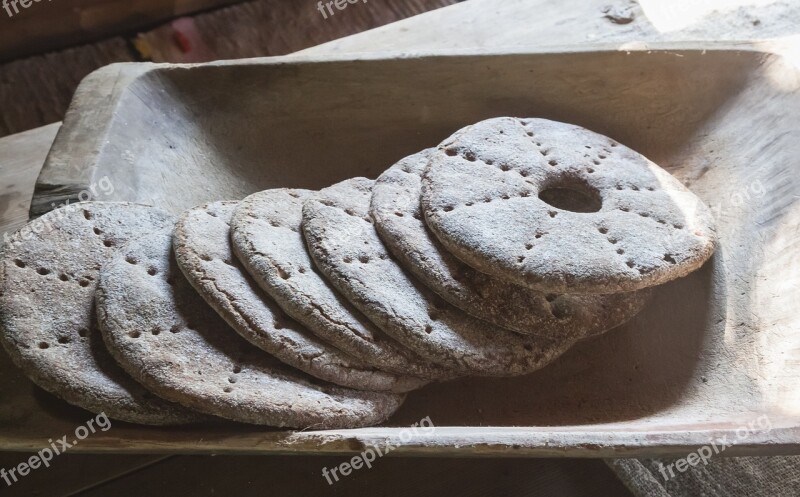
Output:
[[51, 25], [67, 473], [388, 477], [492, 25], [489, 24], [271, 27]]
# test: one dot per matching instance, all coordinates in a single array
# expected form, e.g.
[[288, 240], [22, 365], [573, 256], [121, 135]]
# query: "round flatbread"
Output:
[[267, 237], [562, 209], [395, 207], [346, 248], [167, 337], [48, 277], [203, 250]]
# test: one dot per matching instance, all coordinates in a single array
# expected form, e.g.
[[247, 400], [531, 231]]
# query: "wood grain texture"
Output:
[[271, 27], [51, 25], [69, 474], [493, 25]]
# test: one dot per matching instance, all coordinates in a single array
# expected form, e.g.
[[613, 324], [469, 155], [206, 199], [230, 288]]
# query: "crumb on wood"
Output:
[[619, 14]]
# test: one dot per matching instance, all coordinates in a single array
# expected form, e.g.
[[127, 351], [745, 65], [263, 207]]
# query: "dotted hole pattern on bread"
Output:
[[567, 179]]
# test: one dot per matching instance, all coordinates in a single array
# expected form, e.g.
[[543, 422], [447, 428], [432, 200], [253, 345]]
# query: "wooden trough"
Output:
[[715, 357]]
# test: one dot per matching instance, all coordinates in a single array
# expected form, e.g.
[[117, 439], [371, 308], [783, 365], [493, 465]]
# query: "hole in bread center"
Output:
[[571, 195]]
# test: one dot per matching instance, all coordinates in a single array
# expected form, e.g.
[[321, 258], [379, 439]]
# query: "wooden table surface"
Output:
[[474, 23]]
